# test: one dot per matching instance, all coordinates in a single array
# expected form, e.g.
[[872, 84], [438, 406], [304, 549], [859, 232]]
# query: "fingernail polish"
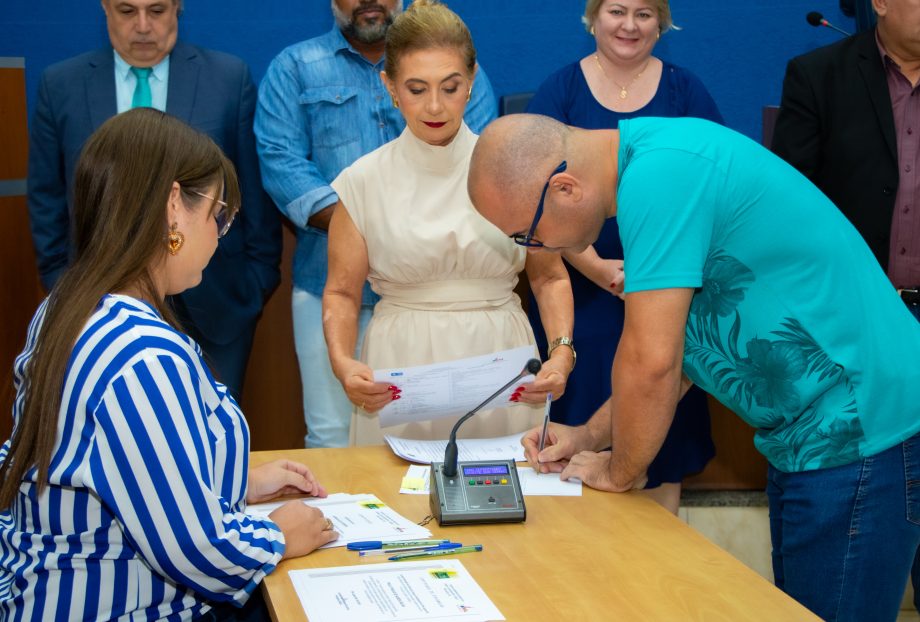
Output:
[[519, 389], [513, 399], [396, 397], [392, 387]]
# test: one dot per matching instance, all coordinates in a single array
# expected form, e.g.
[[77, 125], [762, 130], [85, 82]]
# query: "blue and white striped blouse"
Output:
[[144, 515]]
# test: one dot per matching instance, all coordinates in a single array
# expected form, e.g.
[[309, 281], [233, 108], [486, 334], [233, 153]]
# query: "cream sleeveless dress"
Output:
[[445, 275]]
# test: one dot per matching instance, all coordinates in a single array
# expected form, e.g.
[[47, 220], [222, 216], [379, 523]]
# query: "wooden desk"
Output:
[[599, 556]]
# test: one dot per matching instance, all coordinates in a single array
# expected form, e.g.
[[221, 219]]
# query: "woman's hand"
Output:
[[551, 379], [605, 273], [609, 276], [281, 477], [305, 529], [358, 381]]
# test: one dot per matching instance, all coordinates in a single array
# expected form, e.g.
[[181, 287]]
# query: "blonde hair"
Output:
[[424, 25], [665, 23]]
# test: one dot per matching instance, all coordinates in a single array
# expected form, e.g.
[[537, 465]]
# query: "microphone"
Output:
[[816, 19], [450, 452]]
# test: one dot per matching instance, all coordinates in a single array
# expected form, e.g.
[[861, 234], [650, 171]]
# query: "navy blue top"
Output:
[[565, 96]]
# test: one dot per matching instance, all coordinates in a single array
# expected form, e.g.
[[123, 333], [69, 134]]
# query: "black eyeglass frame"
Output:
[[527, 239]]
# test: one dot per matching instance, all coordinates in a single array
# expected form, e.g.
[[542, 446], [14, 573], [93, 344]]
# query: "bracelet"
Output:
[[563, 341]]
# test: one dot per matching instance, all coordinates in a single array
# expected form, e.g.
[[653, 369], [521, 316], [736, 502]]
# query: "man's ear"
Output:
[[566, 187]]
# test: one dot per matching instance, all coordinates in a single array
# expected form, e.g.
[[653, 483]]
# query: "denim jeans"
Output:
[[326, 408], [844, 538]]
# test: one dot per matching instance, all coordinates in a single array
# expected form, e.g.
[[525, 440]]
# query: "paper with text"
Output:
[[356, 518], [468, 449], [393, 592], [453, 387]]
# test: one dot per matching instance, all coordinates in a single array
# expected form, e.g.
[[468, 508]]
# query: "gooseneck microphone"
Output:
[[817, 20], [450, 452]]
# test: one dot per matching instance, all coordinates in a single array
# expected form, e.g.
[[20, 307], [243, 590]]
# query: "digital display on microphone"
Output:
[[493, 469]]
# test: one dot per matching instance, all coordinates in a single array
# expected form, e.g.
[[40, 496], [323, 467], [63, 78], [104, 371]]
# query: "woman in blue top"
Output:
[[622, 80], [123, 489]]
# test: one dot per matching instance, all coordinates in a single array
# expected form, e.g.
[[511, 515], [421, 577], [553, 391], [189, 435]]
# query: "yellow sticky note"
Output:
[[413, 483]]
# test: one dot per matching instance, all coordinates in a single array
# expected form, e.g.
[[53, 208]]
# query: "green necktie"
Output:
[[142, 97]]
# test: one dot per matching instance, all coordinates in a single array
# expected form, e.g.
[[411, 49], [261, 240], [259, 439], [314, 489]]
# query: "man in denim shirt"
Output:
[[322, 106]]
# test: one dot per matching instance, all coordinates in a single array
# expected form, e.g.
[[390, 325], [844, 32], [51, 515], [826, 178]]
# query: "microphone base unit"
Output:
[[480, 493]]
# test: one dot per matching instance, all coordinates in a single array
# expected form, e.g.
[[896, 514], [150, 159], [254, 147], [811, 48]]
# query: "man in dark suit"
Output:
[[850, 121], [211, 91]]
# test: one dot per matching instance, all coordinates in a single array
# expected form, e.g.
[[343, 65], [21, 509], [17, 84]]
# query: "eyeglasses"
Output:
[[224, 216], [527, 239]]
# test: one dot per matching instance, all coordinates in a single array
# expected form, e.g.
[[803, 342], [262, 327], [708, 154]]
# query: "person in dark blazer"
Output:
[[836, 124], [850, 121], [211, 91]]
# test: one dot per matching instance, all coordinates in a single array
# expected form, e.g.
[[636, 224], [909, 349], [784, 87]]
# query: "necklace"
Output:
[[624, 93]]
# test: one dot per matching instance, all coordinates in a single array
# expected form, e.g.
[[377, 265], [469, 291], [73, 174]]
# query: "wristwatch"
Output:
[[562, 341]]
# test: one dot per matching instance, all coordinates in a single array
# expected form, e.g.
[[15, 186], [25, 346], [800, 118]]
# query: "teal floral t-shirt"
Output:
[[793, 325]]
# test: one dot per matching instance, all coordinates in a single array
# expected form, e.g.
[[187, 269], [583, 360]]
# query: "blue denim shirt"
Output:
[[322, 106]]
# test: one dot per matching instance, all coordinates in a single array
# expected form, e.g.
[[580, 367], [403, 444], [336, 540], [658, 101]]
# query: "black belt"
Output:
[[911, 296]]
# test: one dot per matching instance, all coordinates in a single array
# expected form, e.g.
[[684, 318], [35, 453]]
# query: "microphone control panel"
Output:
[[481, 492]]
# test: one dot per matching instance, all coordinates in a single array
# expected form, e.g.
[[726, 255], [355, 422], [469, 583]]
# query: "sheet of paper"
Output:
[[535, 484], [393, 592], [416, 481], [358, 517], [426, 452], [453, 387], [532, 483]]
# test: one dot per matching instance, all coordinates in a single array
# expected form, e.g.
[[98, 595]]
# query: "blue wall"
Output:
[[738, 49]]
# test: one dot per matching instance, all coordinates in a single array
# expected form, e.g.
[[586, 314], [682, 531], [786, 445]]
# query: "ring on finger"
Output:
[[362, 405], [328, 526]]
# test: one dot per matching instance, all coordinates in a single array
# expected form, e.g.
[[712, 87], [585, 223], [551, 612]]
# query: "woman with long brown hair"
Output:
[[125, 482]]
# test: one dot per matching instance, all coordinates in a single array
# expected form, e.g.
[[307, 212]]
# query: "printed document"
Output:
[[357, 518], [468, 449], [453, 387], [393, 592]]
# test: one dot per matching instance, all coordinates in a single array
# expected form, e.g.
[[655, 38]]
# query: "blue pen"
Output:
[[368, 545], [440, 547]]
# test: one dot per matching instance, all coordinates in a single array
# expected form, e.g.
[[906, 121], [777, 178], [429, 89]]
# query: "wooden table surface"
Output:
[[601, 556]]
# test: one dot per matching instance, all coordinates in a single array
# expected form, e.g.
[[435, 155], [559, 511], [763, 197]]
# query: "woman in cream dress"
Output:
[[445, 275]]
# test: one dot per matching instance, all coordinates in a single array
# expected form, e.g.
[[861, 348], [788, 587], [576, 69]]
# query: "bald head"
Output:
[[511, 162], [514, 158]]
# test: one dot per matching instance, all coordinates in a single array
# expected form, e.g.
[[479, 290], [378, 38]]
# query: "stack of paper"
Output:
[[356, 518], [470, 449], [397, 591]]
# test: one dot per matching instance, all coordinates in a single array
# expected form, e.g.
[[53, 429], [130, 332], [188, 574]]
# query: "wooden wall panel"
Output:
[[20, 291], [271, 396], [737, 465]]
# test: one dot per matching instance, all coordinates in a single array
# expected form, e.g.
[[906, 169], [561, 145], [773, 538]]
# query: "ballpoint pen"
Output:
[[428, 547], [549, 400], [368, 545], [463, 549]]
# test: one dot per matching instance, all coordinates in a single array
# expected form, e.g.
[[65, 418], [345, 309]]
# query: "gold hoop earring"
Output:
[[174, 239], [396, 104], [469, 95]]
